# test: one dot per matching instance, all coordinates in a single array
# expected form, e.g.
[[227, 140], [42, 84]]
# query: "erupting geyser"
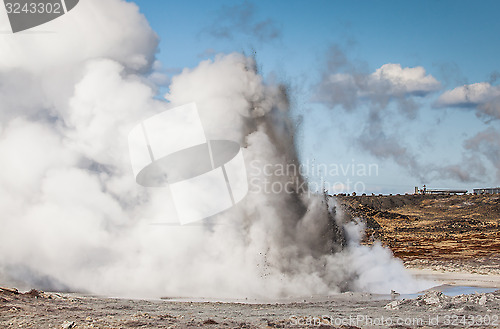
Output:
[[72, 213]]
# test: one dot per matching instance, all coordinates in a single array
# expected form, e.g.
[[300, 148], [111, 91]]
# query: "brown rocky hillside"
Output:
[[430, 226]]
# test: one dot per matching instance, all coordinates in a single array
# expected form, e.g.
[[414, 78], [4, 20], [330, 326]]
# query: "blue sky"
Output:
[[418, 136]]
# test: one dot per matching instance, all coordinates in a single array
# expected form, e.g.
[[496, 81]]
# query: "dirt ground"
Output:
[[454, 240], [348, 310]]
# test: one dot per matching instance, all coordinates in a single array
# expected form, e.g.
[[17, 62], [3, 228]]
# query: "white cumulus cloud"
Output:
[[396, 80], [390, 82], [469, 95], [482, 96]]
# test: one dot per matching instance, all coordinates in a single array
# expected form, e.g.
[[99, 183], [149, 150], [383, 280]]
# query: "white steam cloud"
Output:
[[72, 214]]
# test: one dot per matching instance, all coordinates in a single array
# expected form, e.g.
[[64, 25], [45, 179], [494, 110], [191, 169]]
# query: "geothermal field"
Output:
[[146, 184], [462, 265]]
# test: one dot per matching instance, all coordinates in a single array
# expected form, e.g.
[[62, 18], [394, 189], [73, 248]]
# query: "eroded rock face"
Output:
[[433, 298], [436, 299]]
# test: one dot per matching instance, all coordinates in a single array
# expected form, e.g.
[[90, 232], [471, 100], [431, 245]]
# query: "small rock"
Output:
[[11, 291], [468, 308], [68, 325], [210, 321], [33, 293], [482, 300], [394, 305], [432, 297]]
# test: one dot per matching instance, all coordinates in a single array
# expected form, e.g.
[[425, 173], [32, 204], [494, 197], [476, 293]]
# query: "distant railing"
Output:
[[495, 190], [447, 192]]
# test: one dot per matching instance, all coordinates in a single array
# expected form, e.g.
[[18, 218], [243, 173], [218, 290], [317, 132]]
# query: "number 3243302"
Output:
[[33, 8]]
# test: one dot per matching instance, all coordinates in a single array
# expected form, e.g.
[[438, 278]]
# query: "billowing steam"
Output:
[[73, 216]]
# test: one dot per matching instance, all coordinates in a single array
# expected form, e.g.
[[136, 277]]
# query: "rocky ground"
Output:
[[350, 310], [454, 239]]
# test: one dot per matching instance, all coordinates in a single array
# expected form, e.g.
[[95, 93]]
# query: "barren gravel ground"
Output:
[[453, 240], [349, 310]]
